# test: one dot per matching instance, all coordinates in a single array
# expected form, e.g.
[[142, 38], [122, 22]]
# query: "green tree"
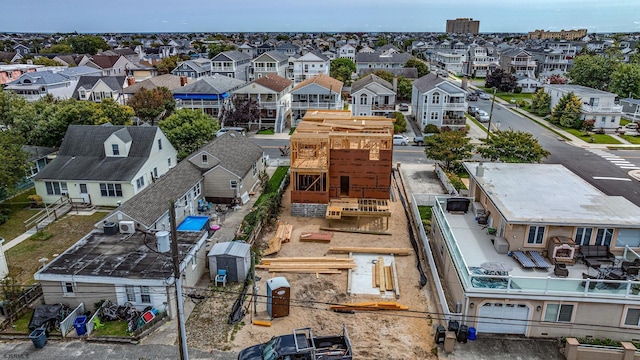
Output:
[[567, 111], [61, 48], [215, 49], [282, 37], [501, 80], [404, 88], [13, 160], [241, 114], [541, 103], [167, 64], [593, 71], [448, 147], [342, 69], [151, 105], [114, 113], [401, 123], [87, 44], [41, 61], [625, 81], [423, 69], [381, 42], [188, 130], [513, 147]]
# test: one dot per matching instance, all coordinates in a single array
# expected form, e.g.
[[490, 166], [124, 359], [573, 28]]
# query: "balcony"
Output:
[[602, 109], [314, 105], [222, 69], [469, 246], [454, 121], [383, 107], [462, 106], [523, 63]]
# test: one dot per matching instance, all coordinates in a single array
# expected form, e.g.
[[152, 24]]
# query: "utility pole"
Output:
[[182, 333], [491, 113]]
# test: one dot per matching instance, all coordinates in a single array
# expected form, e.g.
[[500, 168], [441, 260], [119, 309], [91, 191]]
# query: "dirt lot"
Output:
[[379, 335]]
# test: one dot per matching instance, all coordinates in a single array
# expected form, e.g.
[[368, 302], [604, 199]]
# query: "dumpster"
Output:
[[80, 323], [38, 337]]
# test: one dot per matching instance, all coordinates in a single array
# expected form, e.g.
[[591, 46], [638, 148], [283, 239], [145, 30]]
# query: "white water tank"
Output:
[[162, 238]]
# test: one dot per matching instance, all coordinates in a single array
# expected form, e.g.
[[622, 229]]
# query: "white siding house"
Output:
[[597, 105], [438, 102]]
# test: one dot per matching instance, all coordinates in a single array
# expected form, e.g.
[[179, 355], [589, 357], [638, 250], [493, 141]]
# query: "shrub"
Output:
[[4, 215], [431, 129], [456, 181]]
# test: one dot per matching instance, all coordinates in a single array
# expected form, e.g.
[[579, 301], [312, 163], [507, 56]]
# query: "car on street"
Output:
[[472, 97], [482, 116], [484, 96], [403, 107], [472, 110], [419, 140], [400, 140]]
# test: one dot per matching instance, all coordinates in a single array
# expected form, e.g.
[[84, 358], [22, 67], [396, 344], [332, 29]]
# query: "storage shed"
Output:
[[233, 256]]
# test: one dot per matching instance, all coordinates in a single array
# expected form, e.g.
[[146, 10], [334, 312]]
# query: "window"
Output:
[[536, 235], [434, 116], [363, 99], [628, 237], [56, 188], [632, 318], [145, 295], [604, 119], [155, 172], [115, 149], [205, 159], [254, 169], [110, 190], [140, 182], [159, 144], [130, 290], [68, 288], [435, 98], [558, 312], [583, 236], [234, 184], [604, 236], [169, 162]]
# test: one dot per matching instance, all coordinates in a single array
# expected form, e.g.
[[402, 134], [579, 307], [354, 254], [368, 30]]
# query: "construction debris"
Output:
[[262, 323], [369, 306], [356, 231], [370, 250], [283, 235], [313, 265], [324, 237]]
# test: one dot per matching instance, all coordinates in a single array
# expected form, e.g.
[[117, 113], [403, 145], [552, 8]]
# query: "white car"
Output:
[[484, 96], [482, 116], [400, 140]]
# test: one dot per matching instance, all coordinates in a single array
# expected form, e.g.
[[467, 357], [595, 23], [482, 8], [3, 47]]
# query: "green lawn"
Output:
[[480, 125], [632, 139], [292, 130], [425, 212], [597, 138], [20, 211], [112, 328], [509, 96], [266, 132]]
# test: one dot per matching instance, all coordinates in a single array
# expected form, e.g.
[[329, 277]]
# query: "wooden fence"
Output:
[[15, 308]]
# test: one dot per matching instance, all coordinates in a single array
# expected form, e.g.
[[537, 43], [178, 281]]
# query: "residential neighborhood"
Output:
[[377, 195]]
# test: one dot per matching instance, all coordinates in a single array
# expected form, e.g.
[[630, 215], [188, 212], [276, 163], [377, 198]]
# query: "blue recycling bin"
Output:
[[472, 333], [80, 323], [38, 337]]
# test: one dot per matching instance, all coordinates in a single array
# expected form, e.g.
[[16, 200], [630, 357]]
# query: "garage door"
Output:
[[501, 318]]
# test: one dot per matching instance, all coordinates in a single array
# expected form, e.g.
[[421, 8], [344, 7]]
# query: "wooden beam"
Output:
[[370, 250], [396, 285], [356, 231], [381, 274], [388, 278]]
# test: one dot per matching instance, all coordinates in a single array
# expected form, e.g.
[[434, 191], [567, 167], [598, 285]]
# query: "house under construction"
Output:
[[341, 165]]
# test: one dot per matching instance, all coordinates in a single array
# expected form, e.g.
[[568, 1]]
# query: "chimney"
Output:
[[131, 81], [480, 170], [183, 80], [395, 84]]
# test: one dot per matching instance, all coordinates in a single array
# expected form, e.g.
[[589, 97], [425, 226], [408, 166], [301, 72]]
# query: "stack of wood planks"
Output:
[[283, 235], [370, 250], [310, 265], [369, 306], [324, 237], [385, 277]]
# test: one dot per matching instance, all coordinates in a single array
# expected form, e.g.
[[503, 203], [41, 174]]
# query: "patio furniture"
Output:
[[560, 270], [594, 255], [592, 285], [539, 260], [496, 268], [458, 204], [631, 267], [523, 259], [221, 277]]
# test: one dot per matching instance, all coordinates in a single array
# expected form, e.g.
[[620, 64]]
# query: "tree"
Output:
[[13, 160], [404, 88], [61, 48], [114, 113], [188, 130], [513, 147], [423, 69], [282, 37], [41, 61], [215, 49], [87, 44], [401, 123], [167, 64], [541, 103], [593, 71], [240, 114], [625, 81], [501, 80], [557, 79], [567, 111], [342, 69], [150, 105], [448, 147]]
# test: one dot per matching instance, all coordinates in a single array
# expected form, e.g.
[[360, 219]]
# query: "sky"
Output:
[[86, 16]]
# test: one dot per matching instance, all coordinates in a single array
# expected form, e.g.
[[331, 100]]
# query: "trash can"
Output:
[[80, 323], [472, 333], [453, 326], [38, 337], [440, 334], [463, 333]]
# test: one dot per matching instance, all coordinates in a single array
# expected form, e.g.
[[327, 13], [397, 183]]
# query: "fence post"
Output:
[[629, 350], [571, 349]]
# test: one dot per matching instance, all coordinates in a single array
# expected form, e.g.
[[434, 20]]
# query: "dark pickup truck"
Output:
[[301, 345]]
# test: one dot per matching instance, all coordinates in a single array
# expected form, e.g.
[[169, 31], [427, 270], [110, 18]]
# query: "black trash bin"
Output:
[[454, 325], [463, 333], [38, 337], [441, 333]]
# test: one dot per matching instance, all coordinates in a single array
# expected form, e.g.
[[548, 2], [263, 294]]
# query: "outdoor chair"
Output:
[[221, 277], [560, 270]]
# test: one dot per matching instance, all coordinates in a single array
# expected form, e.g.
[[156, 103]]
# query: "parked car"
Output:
[[484, 96], [403, 107], [419, 140], [472, 110], [400, 140], [472, 97], [227, 129], [482, 116], [632, 126]]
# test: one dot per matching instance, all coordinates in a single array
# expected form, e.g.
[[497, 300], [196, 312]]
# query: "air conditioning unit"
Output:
[[127, 227], [64, 193]]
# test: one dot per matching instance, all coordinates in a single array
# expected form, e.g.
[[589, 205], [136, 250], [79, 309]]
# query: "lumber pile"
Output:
[[369, 306], [283, 235], [323, 237], [310, 265], [385, 277], [370, 250]]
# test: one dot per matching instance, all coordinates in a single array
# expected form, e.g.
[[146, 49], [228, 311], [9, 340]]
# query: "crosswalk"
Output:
[[615, 159]]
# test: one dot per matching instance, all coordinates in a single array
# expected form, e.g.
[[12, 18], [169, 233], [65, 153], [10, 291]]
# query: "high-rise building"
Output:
[[463, 26]]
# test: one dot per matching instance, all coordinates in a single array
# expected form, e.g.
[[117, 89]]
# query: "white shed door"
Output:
[[501, 318]]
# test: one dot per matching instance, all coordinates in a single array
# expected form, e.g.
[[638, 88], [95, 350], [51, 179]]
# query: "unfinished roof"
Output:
[[552, 195], [324, 122]]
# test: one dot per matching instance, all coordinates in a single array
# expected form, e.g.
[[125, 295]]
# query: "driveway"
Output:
[[504, 348]]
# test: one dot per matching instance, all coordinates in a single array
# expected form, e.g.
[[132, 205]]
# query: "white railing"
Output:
[[602, 109], [67, 324], [223, 68], [90, 323]]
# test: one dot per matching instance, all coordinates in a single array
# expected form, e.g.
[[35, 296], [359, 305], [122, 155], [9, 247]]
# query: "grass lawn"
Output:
[[292, 130], [425, 212], [112, 328], [480, 125], [20, 211], [632, 139], [266, 132], [597, 138], [508, 96], [22, 324], [23, 258]]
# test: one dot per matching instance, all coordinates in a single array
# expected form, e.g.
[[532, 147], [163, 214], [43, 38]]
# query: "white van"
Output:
[[224, 130]]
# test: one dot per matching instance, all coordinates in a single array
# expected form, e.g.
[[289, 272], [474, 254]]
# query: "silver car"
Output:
[[482, 116], [400, 140]]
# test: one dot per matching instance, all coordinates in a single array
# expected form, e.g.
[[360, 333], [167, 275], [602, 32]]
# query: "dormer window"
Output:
[[116, 149], [205, 159]]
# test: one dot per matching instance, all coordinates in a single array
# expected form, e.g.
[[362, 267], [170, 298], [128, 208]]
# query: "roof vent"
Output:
[[480, 170]]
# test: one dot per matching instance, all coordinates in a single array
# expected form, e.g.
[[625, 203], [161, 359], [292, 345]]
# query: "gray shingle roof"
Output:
[[81, 155], [427, 82], [376, 57], [234, 55], [409, 73], [115, 83], [40, 78], [226, 148], [215, 84], [371, 78], [277, 55]]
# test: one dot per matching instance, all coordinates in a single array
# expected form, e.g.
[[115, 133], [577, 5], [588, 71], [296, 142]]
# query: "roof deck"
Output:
[[470, 247]]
